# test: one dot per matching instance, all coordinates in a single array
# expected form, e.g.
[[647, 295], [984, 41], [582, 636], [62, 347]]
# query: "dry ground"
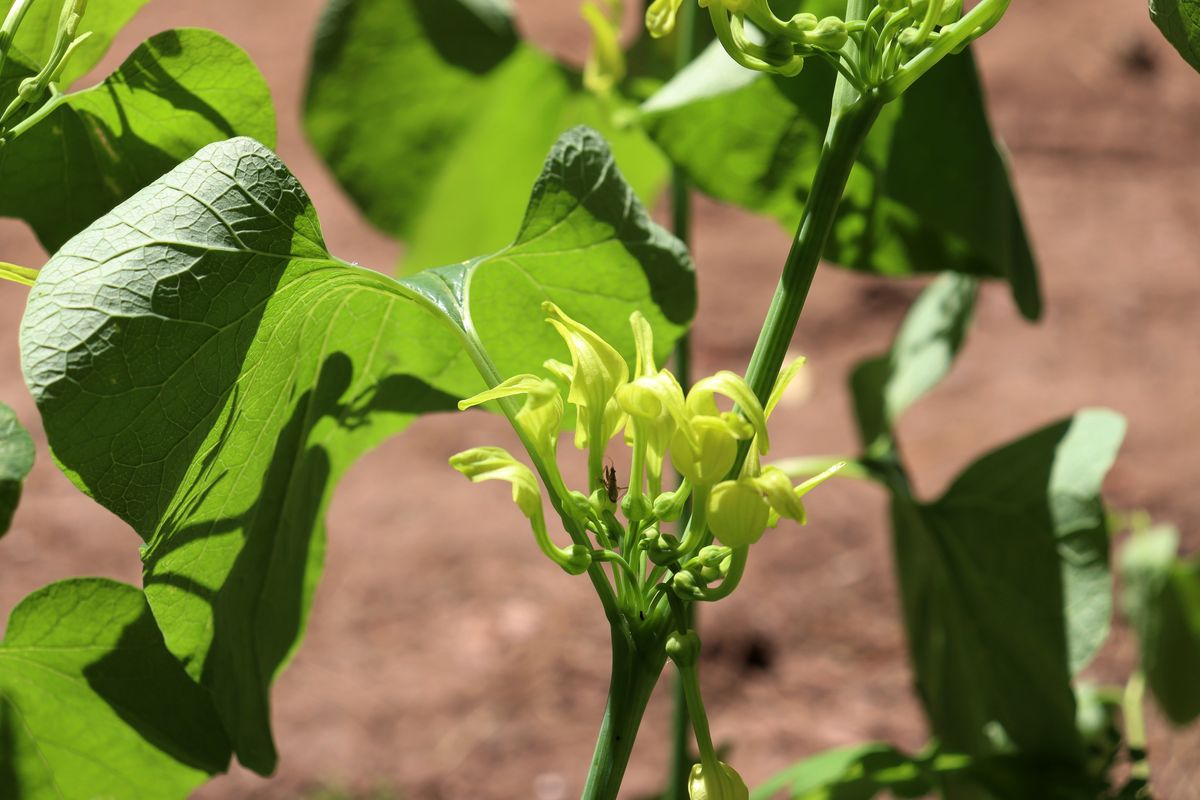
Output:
[[432, 671]]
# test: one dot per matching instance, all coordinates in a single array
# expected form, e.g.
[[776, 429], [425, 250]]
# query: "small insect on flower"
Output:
[[609, 479]]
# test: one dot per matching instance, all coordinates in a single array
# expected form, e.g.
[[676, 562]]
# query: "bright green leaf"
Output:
[[93, 705], [434, 116], [930, 191], [207, 370], [177, 92], [1006, 591], [850, 773], [1162, 600], [103, 19], [1179, 20], [16, 459], [922, 355]]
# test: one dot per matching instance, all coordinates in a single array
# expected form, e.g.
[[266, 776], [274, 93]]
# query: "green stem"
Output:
[[636, 665], [846, 134], [681, 209]]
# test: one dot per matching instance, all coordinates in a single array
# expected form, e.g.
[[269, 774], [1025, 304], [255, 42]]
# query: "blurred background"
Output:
[[440, 666]]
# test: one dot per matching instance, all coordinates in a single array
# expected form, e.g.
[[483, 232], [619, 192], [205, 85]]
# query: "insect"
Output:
[[608, 478]]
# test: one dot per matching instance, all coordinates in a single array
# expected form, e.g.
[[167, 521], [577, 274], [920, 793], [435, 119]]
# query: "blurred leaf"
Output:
[[207, 370], [177, 92], [1006, 593], [922, 355], [103, 19], [1162, 600], [16, 459], [850, 773], [1179, 20], [93, 705], [930, 191], [434, 116]]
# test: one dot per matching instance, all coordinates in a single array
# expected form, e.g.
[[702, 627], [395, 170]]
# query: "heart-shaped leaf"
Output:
[[207, 370], [93, 705], [434, 116], [177, 92], [1006, 590]]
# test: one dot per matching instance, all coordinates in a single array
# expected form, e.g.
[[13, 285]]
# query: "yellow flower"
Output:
[[541, 416], [725, 784], [596, 371]]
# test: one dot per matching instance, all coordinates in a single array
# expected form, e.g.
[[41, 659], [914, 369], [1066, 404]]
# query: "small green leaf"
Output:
[[103, 19], [16, 459], [177, 92], [93, 705], [1006, 591], [435, 116], [930, 192], [922, 355], [207, 370], [850, 773], [1162, 600], [1179, 20]]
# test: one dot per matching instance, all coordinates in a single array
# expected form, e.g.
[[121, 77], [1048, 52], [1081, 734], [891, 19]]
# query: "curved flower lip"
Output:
[[731, 385], [497, 464]]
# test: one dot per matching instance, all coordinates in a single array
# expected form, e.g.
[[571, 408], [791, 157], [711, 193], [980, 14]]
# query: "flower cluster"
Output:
[[37, 96], [734, 499], [896, 43]]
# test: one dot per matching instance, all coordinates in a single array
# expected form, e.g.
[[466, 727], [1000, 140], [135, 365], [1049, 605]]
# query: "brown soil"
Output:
[[437, 668]]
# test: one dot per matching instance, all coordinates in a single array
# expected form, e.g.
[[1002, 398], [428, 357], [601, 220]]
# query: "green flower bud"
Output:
[[636, 507], [737, 512], [30, 89], [802, 23], [668, 506], [684, 648], [577, 559], [725, 785], [661, 548], [605, 66], [830, 34], [711, 563], [686, 586]]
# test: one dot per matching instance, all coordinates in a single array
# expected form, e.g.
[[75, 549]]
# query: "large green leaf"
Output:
[[103, 19], [206, 369], [1179, 20], [1162, 600], [177, 92], [1006, 591], [434, 116], [929, 193], [16, 459], [93, 705], [921, 356]]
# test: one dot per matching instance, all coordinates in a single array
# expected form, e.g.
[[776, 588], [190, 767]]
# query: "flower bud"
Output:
[[725, 785], [686, 587], [636, 507], [684, 648], [661, 548], [737, 513], [668, 506], [830, 34]]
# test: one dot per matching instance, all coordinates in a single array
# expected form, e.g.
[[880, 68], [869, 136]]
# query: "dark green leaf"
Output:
[[930, 191], [1179, 20], [850, 773], [102, 19], [922, 355], [93, 705], [177, 92], [207, 370], [1162, 600], [16, 459], [434, 116], [1006, 592]]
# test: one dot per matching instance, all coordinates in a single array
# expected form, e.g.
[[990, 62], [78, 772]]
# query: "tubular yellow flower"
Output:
[[541, 416], [660, 17], [704, 450], [701, 401], [597, 370]]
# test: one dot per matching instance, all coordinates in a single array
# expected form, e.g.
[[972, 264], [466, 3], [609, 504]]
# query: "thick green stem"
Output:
[[681, 209], [847, 132], [637, 663]]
